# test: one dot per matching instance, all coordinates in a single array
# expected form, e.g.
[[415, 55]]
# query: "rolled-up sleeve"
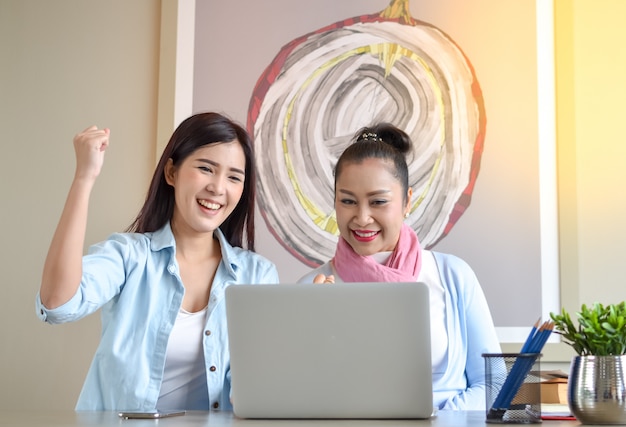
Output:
[[104, 273], [61, 314]]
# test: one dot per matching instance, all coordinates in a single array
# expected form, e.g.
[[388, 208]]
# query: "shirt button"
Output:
[[216, 405], [207, 332], [212, 369]]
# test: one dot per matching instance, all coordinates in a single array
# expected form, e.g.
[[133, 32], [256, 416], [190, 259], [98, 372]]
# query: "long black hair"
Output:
[[193, 133]]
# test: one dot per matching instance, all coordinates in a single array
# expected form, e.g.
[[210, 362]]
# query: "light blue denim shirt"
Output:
[[134, 278], [470, 329]]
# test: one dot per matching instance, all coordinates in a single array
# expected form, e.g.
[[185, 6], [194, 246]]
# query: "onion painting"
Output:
[[325, 85]]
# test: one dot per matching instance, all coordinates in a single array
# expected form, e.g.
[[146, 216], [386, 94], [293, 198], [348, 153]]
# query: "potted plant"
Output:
[[597, 384]]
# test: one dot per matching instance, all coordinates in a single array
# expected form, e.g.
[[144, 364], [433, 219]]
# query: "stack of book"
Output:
[[553, 386]]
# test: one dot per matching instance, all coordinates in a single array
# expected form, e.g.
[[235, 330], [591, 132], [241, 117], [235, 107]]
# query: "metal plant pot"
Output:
[[597, 389]]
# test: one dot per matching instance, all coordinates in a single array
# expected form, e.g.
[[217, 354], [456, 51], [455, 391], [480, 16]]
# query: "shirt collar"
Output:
[[164, 238], [229, 254]]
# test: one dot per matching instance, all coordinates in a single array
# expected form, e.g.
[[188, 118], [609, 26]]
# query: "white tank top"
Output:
[[429, 274], [184, 383]]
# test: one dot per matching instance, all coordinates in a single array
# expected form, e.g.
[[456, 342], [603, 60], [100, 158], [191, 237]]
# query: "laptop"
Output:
[[345, 350]]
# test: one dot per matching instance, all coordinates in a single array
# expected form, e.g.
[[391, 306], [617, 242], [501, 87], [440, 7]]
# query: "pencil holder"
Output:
[[513, 393]]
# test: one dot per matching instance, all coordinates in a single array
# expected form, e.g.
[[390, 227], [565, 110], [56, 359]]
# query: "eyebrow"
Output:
[[211, 162], [370, 194]]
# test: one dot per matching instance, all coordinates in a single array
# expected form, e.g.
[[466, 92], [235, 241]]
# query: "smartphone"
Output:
[[154, 415]]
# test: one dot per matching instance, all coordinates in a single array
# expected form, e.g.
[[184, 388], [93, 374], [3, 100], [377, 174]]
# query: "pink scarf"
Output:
[[402, 266]]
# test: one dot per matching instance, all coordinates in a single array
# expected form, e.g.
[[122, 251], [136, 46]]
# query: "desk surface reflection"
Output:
[[70, 418]]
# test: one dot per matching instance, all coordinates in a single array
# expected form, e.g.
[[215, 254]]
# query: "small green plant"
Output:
[[601, 330]]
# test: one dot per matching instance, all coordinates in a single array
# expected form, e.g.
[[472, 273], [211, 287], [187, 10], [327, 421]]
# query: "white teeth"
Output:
[[208, 205], [368, 234]]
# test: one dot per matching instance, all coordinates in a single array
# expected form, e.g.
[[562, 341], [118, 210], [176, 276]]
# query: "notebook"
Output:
[[351, 350]]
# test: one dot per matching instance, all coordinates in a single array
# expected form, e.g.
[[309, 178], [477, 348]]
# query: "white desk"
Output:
[[226, 419]]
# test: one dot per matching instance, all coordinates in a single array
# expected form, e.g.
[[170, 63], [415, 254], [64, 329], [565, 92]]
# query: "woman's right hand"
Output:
[[89, 147], [62, 270], [320, 278]]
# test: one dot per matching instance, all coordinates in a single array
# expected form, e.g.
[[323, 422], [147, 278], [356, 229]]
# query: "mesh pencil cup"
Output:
[[512, 390]]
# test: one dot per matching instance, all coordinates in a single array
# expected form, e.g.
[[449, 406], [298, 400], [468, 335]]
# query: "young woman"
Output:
[[372, 199], [160, 285]]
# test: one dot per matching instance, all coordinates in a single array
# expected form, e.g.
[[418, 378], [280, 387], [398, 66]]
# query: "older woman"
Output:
[[372, 199]]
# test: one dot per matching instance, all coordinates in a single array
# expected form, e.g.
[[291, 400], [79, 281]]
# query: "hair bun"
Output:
[[387, 133]]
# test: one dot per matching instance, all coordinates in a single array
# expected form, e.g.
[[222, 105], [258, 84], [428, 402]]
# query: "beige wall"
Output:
[[590, 60], [593, 145], [67, 64], [590, 65]]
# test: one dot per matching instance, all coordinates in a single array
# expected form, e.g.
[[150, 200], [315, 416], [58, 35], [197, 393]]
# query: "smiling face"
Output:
[[208, 185], [370, 206]]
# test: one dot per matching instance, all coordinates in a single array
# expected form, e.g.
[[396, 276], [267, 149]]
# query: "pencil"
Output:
[[529, 339], [521, 367]]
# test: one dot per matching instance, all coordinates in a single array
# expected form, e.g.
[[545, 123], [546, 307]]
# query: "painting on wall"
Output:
[[470, 82], [321, 87]]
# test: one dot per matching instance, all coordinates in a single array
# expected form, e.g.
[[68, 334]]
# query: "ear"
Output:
[[409, 194], [169, 172]]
